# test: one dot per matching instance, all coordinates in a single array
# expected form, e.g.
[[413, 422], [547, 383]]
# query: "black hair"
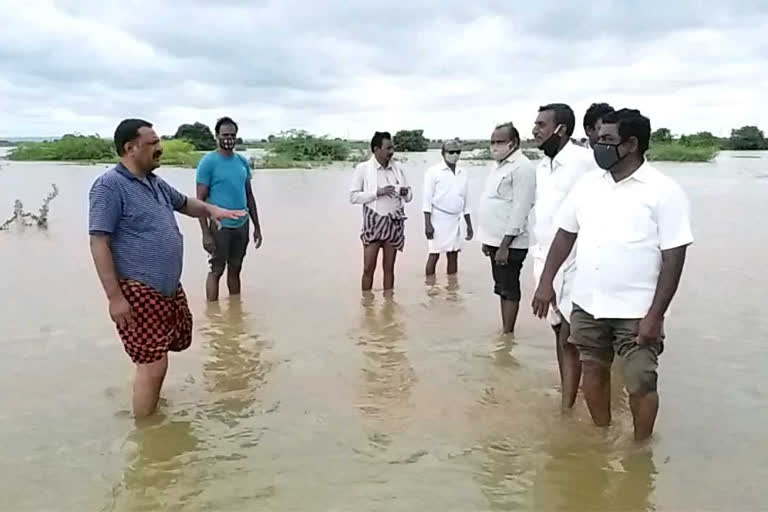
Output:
[[378, 139], [563, 115], [510, 127], [595, 112], [126, 131], [631, 124], [225, 120]]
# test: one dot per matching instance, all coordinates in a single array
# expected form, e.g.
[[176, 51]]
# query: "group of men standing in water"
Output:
[[608, 296]]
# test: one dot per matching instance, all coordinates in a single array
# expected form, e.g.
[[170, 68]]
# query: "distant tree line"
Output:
[[744, 138], [199, 135]]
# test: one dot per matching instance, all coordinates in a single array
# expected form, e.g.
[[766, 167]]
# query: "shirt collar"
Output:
[[562, 157], [444, 167], [511, 159], [378, 166], [123, 170], [642, 174]]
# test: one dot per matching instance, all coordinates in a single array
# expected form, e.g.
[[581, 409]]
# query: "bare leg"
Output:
[[431, 264], [453, 262], [597, 391], [146, 386], [370, 256], [233, 279], [390, 255], [212, 286], [509, 315], [644, 409], [570, 366]]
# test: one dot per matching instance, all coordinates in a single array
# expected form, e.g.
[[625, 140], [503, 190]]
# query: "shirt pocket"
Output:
[[504, 189], [634, 224]]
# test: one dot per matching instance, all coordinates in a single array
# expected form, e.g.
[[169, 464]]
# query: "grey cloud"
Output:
[[310, 58]]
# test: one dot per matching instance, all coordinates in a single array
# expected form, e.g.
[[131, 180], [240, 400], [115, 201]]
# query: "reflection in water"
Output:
[[567, 474], [173, 457], [156, 475], [451, 291], [590, 476], [235, 369], [387, 375], [502, 352]]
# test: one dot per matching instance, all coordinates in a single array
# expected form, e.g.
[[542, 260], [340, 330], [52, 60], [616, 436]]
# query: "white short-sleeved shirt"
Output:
[[622, 229]]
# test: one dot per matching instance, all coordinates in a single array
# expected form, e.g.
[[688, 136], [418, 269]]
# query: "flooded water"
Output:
[[307, 396]]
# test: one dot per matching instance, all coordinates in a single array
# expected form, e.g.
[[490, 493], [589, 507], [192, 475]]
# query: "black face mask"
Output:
[[607, 155], [551, 146]]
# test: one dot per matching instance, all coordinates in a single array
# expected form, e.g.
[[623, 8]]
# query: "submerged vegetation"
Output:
[[78, 148], [301, 149], [677, 152], [27, 218]]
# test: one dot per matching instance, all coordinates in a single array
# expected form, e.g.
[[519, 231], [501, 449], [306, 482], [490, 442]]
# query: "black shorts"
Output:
[[506, 278], [231, 245]]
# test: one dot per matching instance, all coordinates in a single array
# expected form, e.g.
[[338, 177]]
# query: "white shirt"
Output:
[[369, 176], [622, 229], [507, 200], [555, 178], [445, 190]]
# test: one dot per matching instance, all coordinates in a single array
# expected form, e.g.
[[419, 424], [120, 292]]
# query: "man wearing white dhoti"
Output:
[[446, 200]]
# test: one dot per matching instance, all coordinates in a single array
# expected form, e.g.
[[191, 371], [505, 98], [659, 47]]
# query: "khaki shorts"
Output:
[[599, 339]]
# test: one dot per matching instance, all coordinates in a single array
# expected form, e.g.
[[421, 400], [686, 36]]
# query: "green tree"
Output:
[[701, 139], [661, 135], [198, 134], [301, 146], [411, 140], [747, 137]]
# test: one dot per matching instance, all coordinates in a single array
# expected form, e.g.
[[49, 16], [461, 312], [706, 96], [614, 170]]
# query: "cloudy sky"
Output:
[[347, 68]]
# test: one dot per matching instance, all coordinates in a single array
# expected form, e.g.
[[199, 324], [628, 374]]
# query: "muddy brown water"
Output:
[[307, 396]]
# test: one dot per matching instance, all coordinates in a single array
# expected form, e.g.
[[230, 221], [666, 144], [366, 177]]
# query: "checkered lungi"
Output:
[[162, 323]]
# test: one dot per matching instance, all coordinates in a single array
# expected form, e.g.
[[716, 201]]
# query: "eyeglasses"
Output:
[[454, 152]]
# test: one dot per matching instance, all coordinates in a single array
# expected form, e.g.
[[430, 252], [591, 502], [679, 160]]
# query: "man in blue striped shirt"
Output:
[[137, 249]]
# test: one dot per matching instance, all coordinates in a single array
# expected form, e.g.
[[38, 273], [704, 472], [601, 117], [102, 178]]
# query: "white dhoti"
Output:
[[449, 232], [562, 284]]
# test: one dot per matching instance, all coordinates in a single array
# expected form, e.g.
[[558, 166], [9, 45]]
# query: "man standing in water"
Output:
[[446, 199], [593, 120], [633, 227], [559, 170], [507, 200], [224, 179], [137, 249], [379, 184]]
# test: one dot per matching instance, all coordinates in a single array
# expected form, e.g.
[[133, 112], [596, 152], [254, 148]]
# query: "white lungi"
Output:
[[449, 232]]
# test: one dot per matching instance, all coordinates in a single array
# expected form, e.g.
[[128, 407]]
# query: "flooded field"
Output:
[[306, 396]]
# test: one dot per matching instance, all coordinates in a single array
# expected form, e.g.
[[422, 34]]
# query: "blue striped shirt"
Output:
[[138, 215]]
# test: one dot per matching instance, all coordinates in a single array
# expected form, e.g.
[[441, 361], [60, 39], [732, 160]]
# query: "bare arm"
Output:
[[558, 252], [562, 246], [119, 308], [672, 261], [252, 210], [202, 195], [105, 265], [196, 208]]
